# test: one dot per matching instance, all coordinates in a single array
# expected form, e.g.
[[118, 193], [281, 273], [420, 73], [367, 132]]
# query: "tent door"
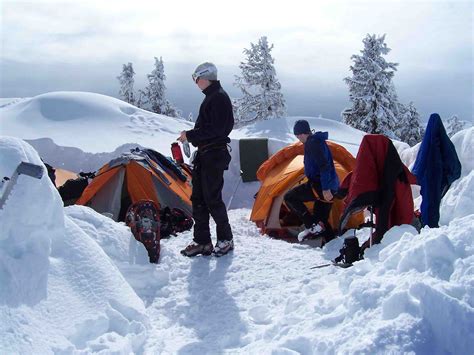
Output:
[[108, 198]]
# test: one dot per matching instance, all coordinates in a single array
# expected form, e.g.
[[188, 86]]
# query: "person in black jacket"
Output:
[[211, 136]]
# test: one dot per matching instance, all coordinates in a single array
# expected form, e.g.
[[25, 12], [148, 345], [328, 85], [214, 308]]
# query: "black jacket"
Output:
[[215, 120]]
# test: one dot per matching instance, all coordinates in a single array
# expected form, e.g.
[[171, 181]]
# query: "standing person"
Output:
[[211, 136], [322, 183]]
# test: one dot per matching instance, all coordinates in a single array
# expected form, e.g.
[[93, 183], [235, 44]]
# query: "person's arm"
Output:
[[215, 125], [322, 160]]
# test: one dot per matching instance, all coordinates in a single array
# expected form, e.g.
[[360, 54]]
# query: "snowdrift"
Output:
[[100, 123], [60, 291]]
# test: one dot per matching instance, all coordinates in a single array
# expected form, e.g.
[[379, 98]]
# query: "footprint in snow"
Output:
[[260, 315]]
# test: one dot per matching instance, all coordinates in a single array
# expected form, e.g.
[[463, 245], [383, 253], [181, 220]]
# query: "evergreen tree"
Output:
[[141, 98], [408, 128], [126, 83], [371, 91], [454, 126], [154, 94], [262, 98]]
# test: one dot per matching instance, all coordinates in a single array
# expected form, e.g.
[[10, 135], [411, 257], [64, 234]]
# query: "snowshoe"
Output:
[[143, 218]]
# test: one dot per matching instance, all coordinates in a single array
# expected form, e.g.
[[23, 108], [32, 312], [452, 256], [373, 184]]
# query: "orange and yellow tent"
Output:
[[133, 177], [283, 171]]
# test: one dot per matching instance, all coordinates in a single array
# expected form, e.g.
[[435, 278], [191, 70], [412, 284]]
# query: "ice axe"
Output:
[[235, 190], [29, 169]]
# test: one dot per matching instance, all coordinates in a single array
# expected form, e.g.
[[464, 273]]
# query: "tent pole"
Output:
[[371, 224]]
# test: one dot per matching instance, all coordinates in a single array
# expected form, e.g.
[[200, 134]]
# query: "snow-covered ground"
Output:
[[74, 281]]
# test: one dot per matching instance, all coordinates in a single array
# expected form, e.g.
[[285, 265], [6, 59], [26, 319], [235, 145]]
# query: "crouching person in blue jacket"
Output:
[[322, 184]]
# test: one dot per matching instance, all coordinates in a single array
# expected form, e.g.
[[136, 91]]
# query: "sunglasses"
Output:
[[198, 74]]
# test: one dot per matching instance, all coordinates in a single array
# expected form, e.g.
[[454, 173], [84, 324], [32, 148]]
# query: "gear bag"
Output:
[[143, 218]]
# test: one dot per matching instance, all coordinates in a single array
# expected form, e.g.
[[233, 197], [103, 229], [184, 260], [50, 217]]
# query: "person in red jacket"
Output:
[[211, 136]]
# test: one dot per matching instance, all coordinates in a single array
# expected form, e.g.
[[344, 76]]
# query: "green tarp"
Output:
[[253, 152]]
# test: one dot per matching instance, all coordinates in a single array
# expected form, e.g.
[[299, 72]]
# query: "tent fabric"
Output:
[[63, 175], [139, 180], [109, 197], [381, 180], [143, 178], [96, 184], [436, 167], [284, 170]]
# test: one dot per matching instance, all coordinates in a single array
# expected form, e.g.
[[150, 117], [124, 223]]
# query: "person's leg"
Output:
[[322, 208], [295, 199], [212, 184], [321, 212], [201, 232]]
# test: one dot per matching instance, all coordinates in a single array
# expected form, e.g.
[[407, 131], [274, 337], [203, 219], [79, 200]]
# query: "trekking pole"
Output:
[[235, 190]]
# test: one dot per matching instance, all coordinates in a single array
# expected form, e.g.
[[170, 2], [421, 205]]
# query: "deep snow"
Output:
[[74, 281]]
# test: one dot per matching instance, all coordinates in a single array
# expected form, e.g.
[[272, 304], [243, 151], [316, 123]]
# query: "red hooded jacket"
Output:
[[381, 180]]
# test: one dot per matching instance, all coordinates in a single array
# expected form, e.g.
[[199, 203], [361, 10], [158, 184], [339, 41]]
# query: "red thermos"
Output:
[[176, 152]]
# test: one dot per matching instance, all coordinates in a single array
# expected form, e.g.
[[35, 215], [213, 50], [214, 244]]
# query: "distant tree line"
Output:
[[375, 107]]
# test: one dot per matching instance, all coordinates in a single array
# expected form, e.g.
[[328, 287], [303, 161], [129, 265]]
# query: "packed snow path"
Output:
[[413, 293], [210, 304]]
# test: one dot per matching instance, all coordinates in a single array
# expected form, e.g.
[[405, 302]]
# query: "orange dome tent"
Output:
[[138, 176], [283, 171]]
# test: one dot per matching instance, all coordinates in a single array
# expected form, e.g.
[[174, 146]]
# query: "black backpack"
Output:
[[350, 251]]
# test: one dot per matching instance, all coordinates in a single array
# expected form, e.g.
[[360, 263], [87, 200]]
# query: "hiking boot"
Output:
[[314, 230], [223, 247], [194, 249]]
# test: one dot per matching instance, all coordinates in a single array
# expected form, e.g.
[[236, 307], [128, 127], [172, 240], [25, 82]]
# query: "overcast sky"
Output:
[[80, 45]]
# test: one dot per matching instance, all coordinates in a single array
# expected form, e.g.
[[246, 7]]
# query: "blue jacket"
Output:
[[318, 163], [436, 167]]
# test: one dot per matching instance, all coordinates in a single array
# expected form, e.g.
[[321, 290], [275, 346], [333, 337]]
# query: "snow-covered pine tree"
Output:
[[408, 128], [141, 99], [126, 83], [454, 126], [262, 98], [154, 93], [371, 91]]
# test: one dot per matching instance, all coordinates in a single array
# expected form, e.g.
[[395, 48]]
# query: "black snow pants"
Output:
[[208, 181], [296, 197]]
